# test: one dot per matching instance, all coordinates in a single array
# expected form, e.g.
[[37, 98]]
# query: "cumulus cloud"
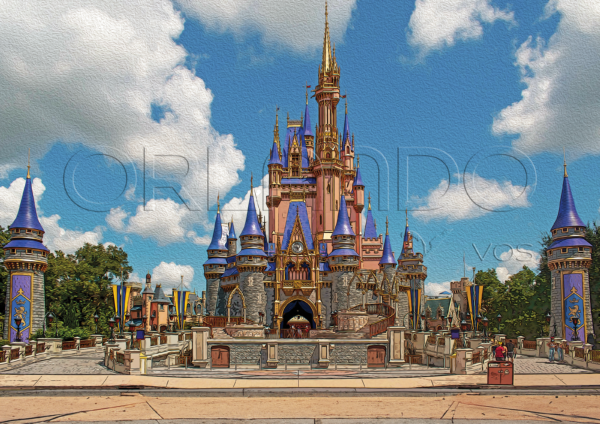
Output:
[[513, 261], [238, 207], [169, 275], [55, 237], [163, 220], [297, 25], [454, 202], [82, 71], [559, 106], [434, 289], [435, 24]]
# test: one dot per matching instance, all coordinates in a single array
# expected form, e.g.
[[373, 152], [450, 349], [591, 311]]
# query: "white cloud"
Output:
[[453, 202], [559, 106], [83, 71], [55, 237], [513, 261], [58, 238], [238, 207], [169, 275], [297, 25], [434, 289], [163, 220], [10, 198], [436, 24]]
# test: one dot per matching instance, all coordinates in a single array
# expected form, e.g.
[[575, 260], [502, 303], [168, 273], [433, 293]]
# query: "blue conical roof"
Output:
[[346, 128], [275, 159], [358, 179], [27, 216], [370, 230], [252, 226], [343, 227], [307, 131], [567, 214], [388, 255], [232, 235], [217, 242]]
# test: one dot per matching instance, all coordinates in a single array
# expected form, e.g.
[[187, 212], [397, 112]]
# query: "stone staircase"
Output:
[[219, 333]]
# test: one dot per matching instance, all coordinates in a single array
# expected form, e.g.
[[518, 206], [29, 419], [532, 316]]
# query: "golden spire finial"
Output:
[[28, 166], [326, 63], [218, 203], [357, 161], [346, 101], [565, 161], [386, 226], [251, 183], [369, 200], [406, 210]]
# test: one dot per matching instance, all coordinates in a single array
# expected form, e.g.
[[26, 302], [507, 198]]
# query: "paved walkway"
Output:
[[88, 363], [532, 365], [300, 410]]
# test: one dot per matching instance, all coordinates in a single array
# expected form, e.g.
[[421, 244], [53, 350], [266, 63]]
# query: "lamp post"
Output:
[[485, 327], [96, 318], [463, 327], [111, 324], [499, 319], [172, 318], [50, 317], [575, 337], [468, 318], [117, 320], [478, 320], [124, 323], [152, 320], [443, 322], [18, 322], [131, 326], [424, 321], [548, 318], [144, 320]]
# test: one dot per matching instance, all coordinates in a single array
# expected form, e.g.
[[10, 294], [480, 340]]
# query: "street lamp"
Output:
[[478, 321], [172, 317], [111, 324], [144, 320], [18, 322], [152, 316], [575, 337], [499, 319], [485, 327], [131, 326], [96, 318], [117, 320], [463, 327], [50, 317], [548, 318], [424, 321], [468, 318]]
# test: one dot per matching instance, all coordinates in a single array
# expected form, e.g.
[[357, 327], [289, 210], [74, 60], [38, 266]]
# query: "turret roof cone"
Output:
[[567, 213], [343, 227]]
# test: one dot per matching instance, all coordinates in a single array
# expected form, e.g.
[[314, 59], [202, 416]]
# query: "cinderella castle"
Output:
[[316, 256]]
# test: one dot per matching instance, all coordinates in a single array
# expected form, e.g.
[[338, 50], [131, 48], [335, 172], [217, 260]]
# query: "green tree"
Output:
[[4, 238], [79, 285]]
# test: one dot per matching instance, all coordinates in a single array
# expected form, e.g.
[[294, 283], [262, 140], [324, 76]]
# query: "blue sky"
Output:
[[186, 92]]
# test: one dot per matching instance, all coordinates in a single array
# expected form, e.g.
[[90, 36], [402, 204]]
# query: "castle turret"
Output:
[[343, 261], [214, 267], [358, 187], [26, 259], [252, 262], [569, 259], [147, 296], [231, 240], [411, 272], [372, 243]]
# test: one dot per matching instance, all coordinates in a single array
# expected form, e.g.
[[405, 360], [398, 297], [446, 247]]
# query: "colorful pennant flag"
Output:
[[474, 297], [414, 305], [121, 297], [180, 299]]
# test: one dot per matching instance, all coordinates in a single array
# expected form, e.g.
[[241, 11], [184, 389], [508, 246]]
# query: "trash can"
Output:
[[501, 373]]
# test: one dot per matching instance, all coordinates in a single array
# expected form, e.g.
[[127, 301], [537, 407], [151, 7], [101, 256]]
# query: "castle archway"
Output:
[[298, 305]]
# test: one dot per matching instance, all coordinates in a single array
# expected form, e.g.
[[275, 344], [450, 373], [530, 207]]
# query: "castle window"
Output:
[[564, 250], [580, 249], [28, 231], [320, 219], [162, 307], [29, 251], [565, 230], [13, 251]]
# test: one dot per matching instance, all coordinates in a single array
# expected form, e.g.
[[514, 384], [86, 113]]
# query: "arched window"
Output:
[[320, 219]]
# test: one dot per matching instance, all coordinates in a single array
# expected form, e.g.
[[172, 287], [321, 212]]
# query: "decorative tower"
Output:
[[328, 168], [411, 272], [252, 262], [26, 259], [343, 261], [214, 267], [371, 242], [147, 297], [231, 240], [309, 137], [569, 258]]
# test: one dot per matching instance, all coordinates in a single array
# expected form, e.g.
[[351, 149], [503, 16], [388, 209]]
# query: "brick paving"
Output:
[[533, 365], [88, 363]]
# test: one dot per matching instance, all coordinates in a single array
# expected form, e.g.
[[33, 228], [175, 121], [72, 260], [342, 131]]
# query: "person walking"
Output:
[[500, 352], [552, 345], [510, 351], [560, 350]]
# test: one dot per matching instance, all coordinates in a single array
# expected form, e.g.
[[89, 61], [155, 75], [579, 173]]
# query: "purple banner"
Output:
[[573, 307], [20, 304]]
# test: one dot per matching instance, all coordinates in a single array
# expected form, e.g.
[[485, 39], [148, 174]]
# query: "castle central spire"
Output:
[[327, 57]]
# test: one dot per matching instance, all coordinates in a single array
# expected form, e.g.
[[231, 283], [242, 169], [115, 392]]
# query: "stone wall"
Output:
[[251, 284], [246, 353], [298, 354], [221, 308], [326, 305], [340, 291], [350, 354], [212, 288]]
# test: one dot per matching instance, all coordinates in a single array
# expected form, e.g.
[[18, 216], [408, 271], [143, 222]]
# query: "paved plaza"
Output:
[[88, 363]]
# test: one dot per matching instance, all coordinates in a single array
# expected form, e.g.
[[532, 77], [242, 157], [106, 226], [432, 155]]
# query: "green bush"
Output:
[[64, 333], [4, 342]]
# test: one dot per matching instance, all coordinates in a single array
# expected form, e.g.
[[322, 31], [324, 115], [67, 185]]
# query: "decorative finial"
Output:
[[28, 166], [369, 200], [406, 210], [345, 96], [325, 10], [251, 184], [357, 161], [218, 203], [306, 91], [386, 226], [565, 161]]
